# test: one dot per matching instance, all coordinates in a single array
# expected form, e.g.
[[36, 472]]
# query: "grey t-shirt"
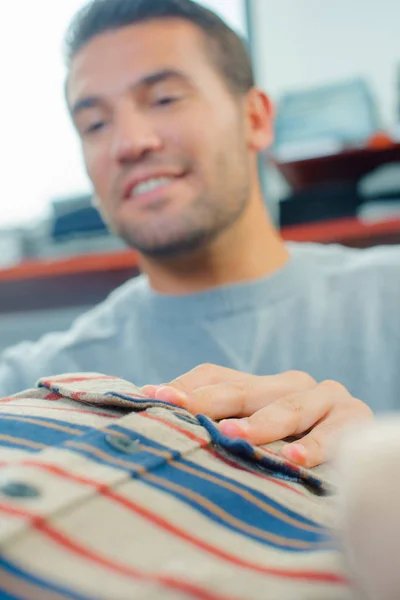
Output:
[[331, 311]]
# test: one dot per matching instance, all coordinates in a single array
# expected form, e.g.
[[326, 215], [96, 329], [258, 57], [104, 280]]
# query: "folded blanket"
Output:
[[105, 494]]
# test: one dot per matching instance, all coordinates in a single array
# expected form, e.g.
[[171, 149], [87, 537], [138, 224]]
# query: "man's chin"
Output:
[[172, 248]]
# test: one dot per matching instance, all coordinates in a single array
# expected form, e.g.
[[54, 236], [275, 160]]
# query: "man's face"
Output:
[[163, 139]]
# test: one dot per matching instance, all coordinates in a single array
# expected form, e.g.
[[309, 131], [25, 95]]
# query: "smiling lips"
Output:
[[150, 185], [145, 185]]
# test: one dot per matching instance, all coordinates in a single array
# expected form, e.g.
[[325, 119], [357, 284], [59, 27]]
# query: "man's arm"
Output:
[[66, 351], [12, 379], [22, 365]]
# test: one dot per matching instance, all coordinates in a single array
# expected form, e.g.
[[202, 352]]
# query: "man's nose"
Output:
[[134, 136]]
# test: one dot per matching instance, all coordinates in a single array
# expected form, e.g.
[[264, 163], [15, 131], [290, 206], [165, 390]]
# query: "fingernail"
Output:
[[234, 427], [295, 453], [170, 394]]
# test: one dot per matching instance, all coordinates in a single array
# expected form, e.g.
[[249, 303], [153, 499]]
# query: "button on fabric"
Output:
[[123, 444], [18, 489]]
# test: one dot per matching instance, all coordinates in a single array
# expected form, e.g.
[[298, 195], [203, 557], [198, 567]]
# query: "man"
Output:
[[163, 99]]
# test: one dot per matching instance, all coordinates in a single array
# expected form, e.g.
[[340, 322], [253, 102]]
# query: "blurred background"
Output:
[[333, 174]]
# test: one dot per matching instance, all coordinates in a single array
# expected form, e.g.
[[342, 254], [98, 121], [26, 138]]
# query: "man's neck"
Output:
[[249, 250]]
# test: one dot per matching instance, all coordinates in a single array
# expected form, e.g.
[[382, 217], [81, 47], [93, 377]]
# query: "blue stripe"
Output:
[[245, 450], [35, 580], [143, 403], [148, 442], [37, 432], [240, 508], [230, 501]]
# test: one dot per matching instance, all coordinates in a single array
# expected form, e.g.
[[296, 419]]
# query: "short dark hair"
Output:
[[228, 51]]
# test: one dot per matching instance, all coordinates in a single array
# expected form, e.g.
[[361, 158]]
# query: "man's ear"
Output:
[[259, 112]]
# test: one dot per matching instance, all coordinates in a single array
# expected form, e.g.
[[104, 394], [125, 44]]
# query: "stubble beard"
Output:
[[196, 227]]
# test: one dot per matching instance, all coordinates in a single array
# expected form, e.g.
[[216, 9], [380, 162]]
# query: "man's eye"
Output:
[[165, 100], [95, 127]]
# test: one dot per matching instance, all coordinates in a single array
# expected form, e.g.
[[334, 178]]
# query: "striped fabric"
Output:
[[105, 494]]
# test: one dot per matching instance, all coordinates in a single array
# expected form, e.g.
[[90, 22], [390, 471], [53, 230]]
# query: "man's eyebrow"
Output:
[[154, 78], [147, 81], [89, 102]]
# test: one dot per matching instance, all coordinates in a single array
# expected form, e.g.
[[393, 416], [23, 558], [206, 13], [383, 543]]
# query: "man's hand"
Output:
[[264, 409]]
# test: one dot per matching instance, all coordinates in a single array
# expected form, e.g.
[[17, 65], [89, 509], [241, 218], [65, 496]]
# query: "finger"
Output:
[[184, 386], [203, 376], [289, 416], [167, 393], [320, 444], [316, 447], [216, 401], [239, 397], [275, 386]]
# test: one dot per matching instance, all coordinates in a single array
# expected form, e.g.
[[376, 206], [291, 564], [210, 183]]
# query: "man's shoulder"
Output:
[[379, 264]]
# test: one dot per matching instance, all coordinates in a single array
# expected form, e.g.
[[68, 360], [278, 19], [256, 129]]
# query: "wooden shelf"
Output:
[[86, 280], [349, 231], [78, 281], [91, 263]]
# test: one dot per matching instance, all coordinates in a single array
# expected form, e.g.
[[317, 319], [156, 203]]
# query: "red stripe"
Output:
[[53, 396], [77, 410], [277, 482], [193, 437], [104, 490], [56, 380], [187, 433], [66, 542], [78, 395]]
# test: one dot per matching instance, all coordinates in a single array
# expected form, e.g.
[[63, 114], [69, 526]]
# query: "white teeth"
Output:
[[150, 185]]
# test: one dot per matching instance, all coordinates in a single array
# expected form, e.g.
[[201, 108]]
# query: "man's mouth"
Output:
[[150, 185]]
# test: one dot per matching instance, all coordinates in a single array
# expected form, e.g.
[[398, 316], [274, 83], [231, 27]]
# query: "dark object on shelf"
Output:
[[349, 165], [320, 203], [76, 216]]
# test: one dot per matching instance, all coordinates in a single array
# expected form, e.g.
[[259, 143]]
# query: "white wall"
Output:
[[233, 11], [40, 154], [310, 42]]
